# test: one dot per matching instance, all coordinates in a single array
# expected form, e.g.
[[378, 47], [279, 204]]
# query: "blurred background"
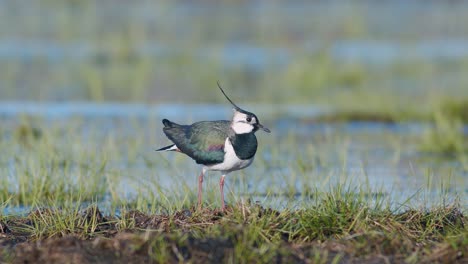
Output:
[[369, 54], [374, 91]]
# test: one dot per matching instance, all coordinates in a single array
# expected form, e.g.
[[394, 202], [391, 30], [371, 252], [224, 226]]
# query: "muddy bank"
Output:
[[137, 248], [211, 236]]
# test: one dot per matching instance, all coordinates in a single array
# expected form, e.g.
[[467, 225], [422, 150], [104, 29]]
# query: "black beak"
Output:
[[263, 128]]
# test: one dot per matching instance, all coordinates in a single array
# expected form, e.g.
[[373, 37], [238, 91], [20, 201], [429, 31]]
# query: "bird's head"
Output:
[[244, 121]]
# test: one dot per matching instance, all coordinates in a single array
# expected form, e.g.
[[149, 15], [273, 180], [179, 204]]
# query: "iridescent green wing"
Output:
[[202, 141], [207, 141]]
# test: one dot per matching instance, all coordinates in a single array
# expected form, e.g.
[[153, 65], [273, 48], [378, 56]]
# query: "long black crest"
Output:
[[233, 104]]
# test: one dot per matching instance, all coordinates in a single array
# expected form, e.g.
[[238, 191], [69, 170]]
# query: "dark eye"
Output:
[[249, 119]]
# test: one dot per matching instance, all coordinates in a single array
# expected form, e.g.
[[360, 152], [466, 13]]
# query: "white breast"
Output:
[[231, 161]]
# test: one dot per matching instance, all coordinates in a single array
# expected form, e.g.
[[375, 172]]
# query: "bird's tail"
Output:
[[172, 147], [168, 123]]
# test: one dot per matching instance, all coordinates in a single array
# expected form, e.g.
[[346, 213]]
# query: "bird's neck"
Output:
[[241, 128], [245, 145]]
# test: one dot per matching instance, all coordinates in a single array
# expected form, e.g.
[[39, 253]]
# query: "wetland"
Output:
[[367, 161]]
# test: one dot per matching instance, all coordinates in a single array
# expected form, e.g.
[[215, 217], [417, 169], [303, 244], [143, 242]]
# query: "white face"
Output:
[[242, 123]]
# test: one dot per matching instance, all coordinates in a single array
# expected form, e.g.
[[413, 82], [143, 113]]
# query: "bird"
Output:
[[221, 145]]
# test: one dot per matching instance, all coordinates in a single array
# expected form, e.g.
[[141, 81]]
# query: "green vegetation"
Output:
[[106, 54], [91, 188], [334, 229], [456, 109], [46, 170], [77, 161], [446, 136], [59, 174]]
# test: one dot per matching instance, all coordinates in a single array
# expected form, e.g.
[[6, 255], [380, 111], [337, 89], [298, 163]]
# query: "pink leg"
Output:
[[221, 188], [200, 183]]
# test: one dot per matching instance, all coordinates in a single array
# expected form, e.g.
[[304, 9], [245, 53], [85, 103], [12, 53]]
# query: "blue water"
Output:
[[255, 36], [382, 156], [378, 53]]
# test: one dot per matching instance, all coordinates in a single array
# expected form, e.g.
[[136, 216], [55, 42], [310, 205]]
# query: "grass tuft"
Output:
[[331, 231]]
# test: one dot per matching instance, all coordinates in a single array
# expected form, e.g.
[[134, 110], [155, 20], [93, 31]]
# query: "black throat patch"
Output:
[[245, 145]]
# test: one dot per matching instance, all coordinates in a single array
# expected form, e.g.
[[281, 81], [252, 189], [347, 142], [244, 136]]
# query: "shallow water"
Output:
[[295, 161], [46, 56], [257, 58], [438, 34]]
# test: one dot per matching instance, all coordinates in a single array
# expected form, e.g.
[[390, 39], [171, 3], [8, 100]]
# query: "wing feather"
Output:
[[202, 141]]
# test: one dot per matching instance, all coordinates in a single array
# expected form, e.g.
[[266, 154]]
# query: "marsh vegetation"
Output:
[[367, 161]]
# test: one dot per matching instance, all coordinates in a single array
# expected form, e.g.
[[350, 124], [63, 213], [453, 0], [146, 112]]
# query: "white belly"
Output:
[[231, 161]]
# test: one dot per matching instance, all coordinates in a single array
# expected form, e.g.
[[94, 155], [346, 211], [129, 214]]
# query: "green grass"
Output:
[[297, 203], [446, 136], [53, 163], [455, 108], [116, 69], [338, 226], [61, 173], [46, 169]]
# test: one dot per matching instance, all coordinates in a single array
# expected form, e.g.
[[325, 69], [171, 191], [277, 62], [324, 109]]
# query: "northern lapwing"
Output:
[[221, 145]]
